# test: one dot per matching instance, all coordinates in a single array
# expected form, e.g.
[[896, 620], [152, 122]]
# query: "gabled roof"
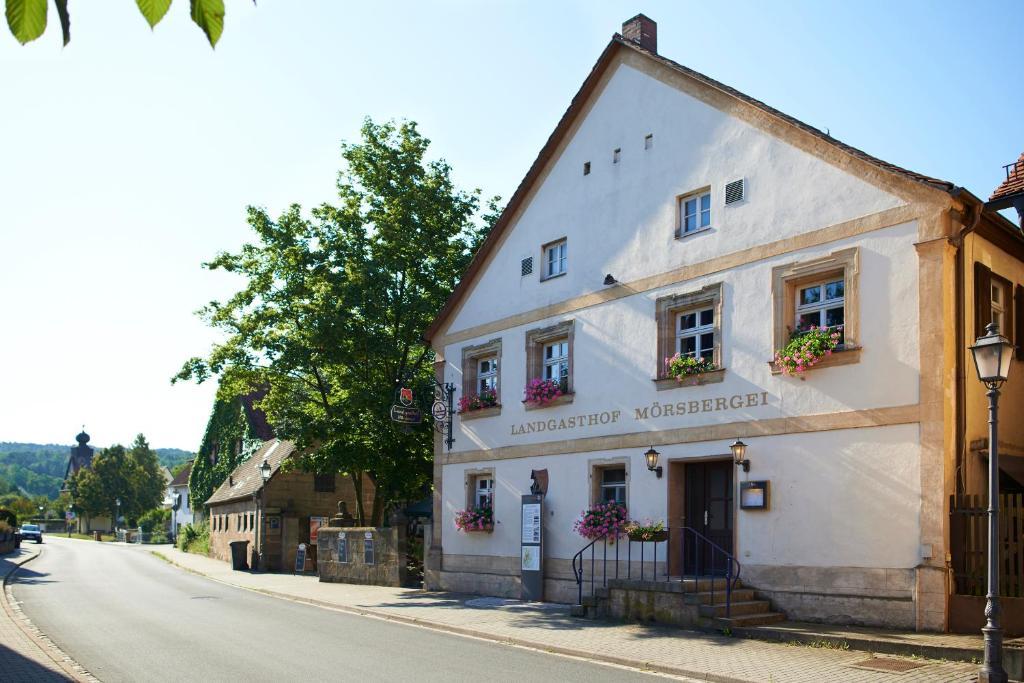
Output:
[[576, 107], [181, 478], [246, 479], [1014, 183]]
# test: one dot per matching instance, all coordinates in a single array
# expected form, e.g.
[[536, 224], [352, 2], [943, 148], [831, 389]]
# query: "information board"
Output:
[[532, 549]]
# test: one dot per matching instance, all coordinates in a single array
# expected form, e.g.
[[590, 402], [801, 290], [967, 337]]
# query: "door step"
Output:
[[742, 608], [744, 620]]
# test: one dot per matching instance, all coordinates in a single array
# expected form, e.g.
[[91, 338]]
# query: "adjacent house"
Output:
[[278, 514], [177, 498], [638, 295]]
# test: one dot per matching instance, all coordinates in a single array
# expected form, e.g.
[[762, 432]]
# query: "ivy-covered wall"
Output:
[[234, 432]]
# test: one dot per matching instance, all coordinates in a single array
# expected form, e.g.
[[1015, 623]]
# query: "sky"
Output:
[[128, 158]]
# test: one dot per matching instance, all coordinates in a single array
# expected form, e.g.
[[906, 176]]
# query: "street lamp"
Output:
[[67, 518], [117, 517], [265, 471], [992, 354]]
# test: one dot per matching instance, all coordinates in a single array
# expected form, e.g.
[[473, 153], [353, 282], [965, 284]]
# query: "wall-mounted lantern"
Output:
[[739, 455], [651, 456]]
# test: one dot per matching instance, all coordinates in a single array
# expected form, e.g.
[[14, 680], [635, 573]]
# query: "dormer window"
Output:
[[556, 259]]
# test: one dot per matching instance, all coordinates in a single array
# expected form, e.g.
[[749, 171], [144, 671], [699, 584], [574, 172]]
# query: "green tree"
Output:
[[335, 306], [27, 18], [131, 475]]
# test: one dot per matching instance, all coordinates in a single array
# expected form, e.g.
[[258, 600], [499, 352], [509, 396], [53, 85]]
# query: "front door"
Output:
[[709, 512]]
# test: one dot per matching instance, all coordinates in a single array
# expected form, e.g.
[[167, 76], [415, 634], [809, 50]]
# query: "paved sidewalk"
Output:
[[549, 627], [22, 658]]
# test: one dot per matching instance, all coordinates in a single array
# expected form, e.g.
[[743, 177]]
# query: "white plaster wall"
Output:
[[183, 515], [615, 354], [845, 498], [621, 218]]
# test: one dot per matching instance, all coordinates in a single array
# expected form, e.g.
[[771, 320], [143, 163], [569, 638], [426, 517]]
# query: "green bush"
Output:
[[194, 538], [9, 517], [155, 520]]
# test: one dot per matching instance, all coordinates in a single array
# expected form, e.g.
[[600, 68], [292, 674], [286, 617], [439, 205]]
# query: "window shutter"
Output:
[[1018, 337], [982, 298]]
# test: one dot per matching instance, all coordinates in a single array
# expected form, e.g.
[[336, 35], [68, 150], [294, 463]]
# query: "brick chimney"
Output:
[[643, 31]]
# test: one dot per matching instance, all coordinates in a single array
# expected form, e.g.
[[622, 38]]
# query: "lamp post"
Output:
[[117, 516], [992, 354], [257, 497], [67, 518]]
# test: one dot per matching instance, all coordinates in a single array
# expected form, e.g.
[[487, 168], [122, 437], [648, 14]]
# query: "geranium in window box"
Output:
[[680, 367], [488, 398], [648, 532], [479, 518], [604, 519], [806, 348], [540, 392]]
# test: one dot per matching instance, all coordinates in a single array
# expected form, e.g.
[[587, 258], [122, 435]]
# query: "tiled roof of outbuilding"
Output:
[[246, 480], [181, 478]]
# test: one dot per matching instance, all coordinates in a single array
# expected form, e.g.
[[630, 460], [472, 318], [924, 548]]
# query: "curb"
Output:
[[474, 633], [11, 607]]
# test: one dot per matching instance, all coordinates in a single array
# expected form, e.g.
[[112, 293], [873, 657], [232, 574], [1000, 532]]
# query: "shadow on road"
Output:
[[26, 576], [19, 669]]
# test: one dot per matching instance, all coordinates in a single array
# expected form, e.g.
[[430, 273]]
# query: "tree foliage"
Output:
[[27, 18], [131, 475], [335, 305]]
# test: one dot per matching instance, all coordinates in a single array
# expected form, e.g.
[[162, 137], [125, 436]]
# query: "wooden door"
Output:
[[709, 511]]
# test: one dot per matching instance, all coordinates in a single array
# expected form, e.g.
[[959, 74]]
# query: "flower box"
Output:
[[650, 532], [607, 520], [475, 519], [807, 348], [488, 398], [542, 392]]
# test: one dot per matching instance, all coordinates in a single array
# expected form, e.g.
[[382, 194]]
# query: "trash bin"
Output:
[[95, 535], [238, 550]]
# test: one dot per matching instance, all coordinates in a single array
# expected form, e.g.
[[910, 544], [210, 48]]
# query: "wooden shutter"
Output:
[[1018, 336], [982, 298]]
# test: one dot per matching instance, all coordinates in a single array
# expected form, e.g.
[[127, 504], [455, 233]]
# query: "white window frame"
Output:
[[617, 487], [701, 212], [697, 333], [556, 259], [998, 303], [823, 304], [483, 486], [487, 379], [556, 367]]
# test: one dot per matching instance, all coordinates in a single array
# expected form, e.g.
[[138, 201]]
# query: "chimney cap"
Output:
[[643, 31]]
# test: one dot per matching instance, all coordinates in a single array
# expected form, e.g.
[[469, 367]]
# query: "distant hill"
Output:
[[38, 469]]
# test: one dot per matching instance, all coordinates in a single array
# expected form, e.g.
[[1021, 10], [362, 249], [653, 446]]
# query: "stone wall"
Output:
[[232, 524], [388, 565]]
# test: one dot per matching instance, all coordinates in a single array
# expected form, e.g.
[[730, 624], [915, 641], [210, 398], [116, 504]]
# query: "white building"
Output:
[[670, 212], [177, 499]]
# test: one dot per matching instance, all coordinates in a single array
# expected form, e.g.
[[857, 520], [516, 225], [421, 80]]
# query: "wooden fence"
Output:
[[969, 535]]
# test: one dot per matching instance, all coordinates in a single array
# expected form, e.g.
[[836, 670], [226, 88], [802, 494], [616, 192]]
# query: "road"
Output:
[[125, 615]]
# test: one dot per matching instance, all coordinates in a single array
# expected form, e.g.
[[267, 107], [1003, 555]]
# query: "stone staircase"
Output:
[[682, 602]]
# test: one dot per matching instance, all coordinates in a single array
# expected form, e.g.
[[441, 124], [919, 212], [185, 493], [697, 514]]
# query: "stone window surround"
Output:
[[535, 341], [471, 356], [680, 199], [596, 466], [667, 309], [786, 279], [469, 484]]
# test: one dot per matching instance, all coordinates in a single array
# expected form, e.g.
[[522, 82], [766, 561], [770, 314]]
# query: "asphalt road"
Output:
[[127, 616]]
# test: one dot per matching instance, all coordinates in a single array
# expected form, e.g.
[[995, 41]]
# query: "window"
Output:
[[616, 155], [613, 485], [690, 324], [694, 212], [483, 491], [481, 371], [994, 302], [586, 168], [822, 292], [649, 141], [820, 304], [487, 374], [555, 259], [549, 356], [556, 361], [999, 306], [252, 521], [696, 334], [323, 483]]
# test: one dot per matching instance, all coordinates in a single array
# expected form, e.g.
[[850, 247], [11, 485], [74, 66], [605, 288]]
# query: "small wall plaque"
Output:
[[754, 495]]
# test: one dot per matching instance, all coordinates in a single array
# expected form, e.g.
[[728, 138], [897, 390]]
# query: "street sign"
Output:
[[406, 415]]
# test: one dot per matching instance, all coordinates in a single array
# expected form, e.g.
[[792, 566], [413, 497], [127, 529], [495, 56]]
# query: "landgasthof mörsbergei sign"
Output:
[[655, 411]]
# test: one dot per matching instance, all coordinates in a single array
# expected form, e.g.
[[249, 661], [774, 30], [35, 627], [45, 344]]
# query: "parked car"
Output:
[[31, 531]]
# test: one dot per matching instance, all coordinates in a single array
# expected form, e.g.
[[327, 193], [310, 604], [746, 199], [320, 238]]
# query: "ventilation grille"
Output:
[[734, 192], [527, 265]]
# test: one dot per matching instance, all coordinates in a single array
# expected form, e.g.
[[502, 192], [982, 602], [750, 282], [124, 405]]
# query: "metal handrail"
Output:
[[701, 544]]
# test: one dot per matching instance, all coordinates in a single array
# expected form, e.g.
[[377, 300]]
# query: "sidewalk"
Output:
[[549, 628], [27, 657]]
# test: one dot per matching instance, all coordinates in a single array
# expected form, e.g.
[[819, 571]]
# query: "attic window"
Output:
[[586, 169], [734, 192], [649, 141], [616, 153], [527, 263]]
